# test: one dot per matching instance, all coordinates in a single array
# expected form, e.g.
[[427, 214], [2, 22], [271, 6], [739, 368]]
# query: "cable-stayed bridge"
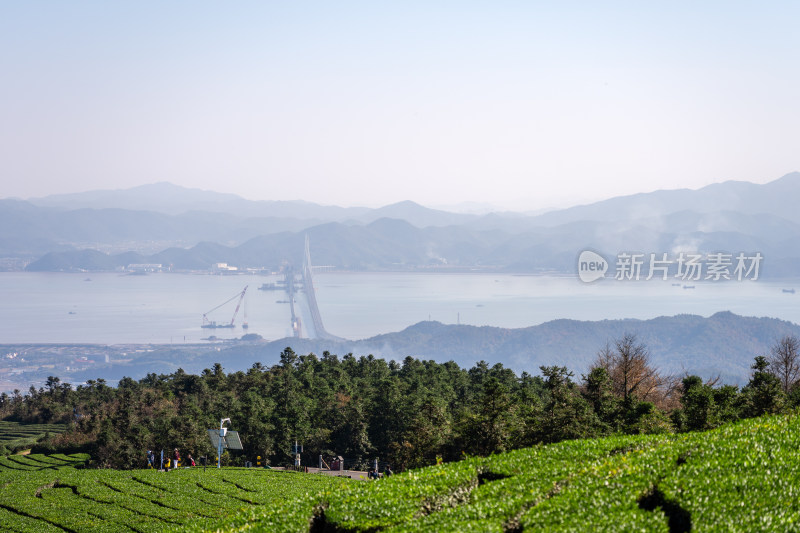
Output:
[[313, 329]]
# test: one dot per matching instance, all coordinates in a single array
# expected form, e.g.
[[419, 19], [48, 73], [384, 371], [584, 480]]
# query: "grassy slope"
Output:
[[46, 493], [15, 435], [744, 477]]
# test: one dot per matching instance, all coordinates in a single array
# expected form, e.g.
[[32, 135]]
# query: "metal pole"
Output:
[[221, 437]]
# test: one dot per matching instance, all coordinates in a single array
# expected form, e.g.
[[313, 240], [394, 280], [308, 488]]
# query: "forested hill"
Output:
[[723, 345]]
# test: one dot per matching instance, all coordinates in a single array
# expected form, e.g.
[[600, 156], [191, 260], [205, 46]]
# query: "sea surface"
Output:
[[112, 308]]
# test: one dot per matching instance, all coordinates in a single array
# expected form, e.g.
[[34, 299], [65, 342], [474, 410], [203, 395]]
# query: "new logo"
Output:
[[591, 266]]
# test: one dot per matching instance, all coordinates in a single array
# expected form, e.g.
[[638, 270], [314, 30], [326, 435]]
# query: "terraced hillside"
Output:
[[40, 493], [742, 477], [15, 435]]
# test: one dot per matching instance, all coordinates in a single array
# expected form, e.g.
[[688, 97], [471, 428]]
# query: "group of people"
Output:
[[168, 462], [374, 474]]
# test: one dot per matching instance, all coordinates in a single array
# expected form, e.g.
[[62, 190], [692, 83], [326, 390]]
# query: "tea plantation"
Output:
[[742, 477], [16, 436], [47, 493]]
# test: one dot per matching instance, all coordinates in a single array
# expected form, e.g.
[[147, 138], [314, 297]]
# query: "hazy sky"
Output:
[[521, 104]]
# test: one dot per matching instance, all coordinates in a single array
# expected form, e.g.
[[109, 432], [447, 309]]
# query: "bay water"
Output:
[[162, 308]]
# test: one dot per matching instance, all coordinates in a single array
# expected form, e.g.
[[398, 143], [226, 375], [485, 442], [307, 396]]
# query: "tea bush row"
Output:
[[741, 477], [148, 500]]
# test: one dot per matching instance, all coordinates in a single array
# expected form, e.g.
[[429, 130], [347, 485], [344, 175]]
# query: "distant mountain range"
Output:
[[722, 345], [172, 199], [191, 229], [777, 198], [169, 199]]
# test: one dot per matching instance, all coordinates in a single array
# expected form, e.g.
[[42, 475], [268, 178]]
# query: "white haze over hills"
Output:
[[733, 216], [165, 197]]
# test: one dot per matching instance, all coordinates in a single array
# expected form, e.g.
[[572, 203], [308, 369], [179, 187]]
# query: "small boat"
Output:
[[688, 286], [788, 291]]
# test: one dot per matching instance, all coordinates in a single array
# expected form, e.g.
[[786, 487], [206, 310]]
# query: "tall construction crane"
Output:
[[211, 324]]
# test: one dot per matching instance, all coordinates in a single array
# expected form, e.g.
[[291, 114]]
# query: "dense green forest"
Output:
[[411, 414]]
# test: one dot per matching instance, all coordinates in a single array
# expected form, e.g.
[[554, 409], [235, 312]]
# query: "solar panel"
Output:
[[213, 435], [230, 441]]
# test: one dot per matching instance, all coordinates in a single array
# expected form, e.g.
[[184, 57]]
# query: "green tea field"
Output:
[[742, 477], [14, 435], [46, 493]]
